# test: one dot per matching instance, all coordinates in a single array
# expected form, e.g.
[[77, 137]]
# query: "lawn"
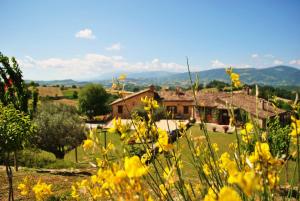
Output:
[[68, 92], [62, 183]]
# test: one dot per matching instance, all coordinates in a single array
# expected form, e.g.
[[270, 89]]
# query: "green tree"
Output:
[[15, 129], [35, 97], [93, 100], [12, 86], [279, 141], [278, 138], [75, 95], [59, 129], [13, 89]]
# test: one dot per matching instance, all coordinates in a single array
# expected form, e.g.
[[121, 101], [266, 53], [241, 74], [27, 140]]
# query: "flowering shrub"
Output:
[[160, 171]]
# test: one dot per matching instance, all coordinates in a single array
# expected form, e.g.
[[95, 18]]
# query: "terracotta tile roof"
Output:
[[262, 108], [175, 96], [217, 100], [209, 99], [131, 96]]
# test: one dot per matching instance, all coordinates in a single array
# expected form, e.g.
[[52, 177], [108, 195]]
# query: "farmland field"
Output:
[[50, 91], [67, 102]]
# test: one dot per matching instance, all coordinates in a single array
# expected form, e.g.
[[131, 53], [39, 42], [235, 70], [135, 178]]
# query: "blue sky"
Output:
[[59, 39]]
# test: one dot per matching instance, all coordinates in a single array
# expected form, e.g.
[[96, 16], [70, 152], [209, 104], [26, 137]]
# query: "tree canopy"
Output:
[[12, 87], [15, 128], [93, 100], [59, 129]]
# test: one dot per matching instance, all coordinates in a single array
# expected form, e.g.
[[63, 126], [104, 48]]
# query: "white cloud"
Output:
[[277, 62], [217, 63], [295, 62], [254, 56], [85, 33], [114, 47], [88, 66]]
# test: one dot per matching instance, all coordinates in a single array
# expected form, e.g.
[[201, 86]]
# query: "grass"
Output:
[[62, 184], [71, 102], [86, 157], [68, 92]]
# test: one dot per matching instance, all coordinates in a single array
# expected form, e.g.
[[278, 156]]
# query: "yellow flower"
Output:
[[247, 181], [235, 78], [163, 190], [228, 194], [24, 187], [41, 190], [206, 170], [134, 167], [87, 144], [237, 83], [227, 164], [247, 132], [264, 136], [169, 175], [121, 174], [119, 127], [149, 103], [122, 77], [261, 152], [146, 156], [273, 179], [215, 147], [163, 141], [110, 147], [295, 129], [74, 192], [211, 195]]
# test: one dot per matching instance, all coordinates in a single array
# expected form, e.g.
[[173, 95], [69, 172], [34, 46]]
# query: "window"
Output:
[[120, 109], [172, 109], [185, 109]]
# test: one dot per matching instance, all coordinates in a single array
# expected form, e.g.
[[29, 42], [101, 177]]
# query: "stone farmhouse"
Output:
[[212, 107]]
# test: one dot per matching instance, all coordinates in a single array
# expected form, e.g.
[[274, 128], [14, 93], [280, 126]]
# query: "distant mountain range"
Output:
[[66, 82], [275, 76]]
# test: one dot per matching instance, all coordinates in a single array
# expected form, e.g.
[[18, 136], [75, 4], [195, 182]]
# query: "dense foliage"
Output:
[[59, 129], [93, 100], [217, 84], [278, 138], [12, 87], [15, 129]]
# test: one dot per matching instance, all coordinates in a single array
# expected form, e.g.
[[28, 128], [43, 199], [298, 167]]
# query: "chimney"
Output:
[[179, 91], [248, 90], [263, 105], [151, 87]]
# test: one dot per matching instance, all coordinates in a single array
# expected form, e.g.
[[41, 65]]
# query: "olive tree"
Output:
[[15, 129], [59, 129]]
